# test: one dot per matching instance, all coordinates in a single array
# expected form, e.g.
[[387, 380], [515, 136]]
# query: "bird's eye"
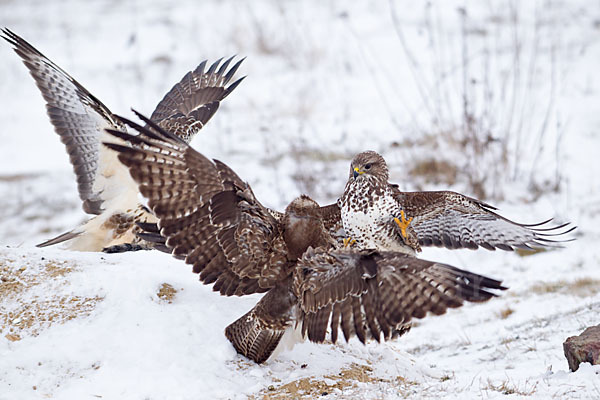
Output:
[[368, 166]]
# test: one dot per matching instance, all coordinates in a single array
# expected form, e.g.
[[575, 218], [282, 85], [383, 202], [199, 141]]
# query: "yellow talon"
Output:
[[403, 224], [348, 242]]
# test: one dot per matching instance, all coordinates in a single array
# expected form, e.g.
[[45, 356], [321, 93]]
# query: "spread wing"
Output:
[[78, 117], [188, 106], [369, 294], [452, 220], [206, 212]]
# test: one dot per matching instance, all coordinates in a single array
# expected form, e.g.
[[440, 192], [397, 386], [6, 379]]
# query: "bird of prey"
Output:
[[211, 217], [79, 118], [376, 214]]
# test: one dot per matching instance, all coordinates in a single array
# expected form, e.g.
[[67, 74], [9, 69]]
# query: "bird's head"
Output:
[[368, 164], [303, 226]]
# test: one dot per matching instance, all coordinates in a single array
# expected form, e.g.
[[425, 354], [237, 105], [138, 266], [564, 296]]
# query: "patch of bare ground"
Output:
[[345, 381], [25, 311], [166, 293]]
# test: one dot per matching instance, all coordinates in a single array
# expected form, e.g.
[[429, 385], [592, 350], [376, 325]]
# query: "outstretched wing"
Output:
[[206, 212], [188, 106], [78, 117], [369, 293], [452, 220]]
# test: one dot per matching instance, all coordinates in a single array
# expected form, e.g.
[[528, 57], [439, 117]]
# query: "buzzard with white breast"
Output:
[[210, 217], [377, 215]]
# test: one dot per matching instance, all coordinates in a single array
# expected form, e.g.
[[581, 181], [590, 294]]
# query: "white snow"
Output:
[[325, 80]]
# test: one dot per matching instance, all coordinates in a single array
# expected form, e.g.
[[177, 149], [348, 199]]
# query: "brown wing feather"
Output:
[[79, 118], [192, 102], [373, 293], [206, 212], [452, 220], [332, 220]]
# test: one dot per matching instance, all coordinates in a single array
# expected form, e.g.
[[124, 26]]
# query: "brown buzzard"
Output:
[[377, 215], [105, 188], [211, 217]]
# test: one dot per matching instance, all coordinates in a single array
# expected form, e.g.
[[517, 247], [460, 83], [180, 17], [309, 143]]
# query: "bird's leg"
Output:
[[348, 242], [403, 224]]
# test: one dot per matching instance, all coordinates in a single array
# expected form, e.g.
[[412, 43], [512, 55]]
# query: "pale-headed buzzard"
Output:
[[79, 118]]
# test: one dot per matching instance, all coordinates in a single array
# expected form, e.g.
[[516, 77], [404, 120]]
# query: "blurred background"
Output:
[[497, 99]]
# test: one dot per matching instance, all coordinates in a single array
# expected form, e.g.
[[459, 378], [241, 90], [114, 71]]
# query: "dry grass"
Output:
[[505, 312], [530, 252], [582, 287], [507, 340], [435, 171], [25, 311], [507, 388], [482, 99], [17, 177]]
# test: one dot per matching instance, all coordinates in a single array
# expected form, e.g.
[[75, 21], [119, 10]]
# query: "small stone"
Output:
[[583, 348]]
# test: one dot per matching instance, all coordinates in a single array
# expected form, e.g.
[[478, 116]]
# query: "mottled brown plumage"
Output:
[[370, 204], [79, 118], [212, 218]]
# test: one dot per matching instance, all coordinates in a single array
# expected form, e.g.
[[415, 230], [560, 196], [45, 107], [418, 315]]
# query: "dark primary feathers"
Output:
[[452, 220], [369, 294], [445, 218], [212, 218], [80, 118], [206, 212], [188, 106]]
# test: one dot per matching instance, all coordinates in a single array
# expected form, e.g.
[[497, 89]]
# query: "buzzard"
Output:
[[211, 218], [79, 118], [376, 214]]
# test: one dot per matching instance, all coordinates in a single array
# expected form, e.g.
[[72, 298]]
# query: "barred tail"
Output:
[[252, 340]]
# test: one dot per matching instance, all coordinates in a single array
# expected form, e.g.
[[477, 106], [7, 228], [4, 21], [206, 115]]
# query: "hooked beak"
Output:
[[356, 172]]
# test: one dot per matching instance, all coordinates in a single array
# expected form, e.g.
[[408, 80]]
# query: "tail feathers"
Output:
[[252, 339], [60, 238]]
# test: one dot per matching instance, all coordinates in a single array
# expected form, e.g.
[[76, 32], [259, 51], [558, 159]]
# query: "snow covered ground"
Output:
[[325, 81]]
